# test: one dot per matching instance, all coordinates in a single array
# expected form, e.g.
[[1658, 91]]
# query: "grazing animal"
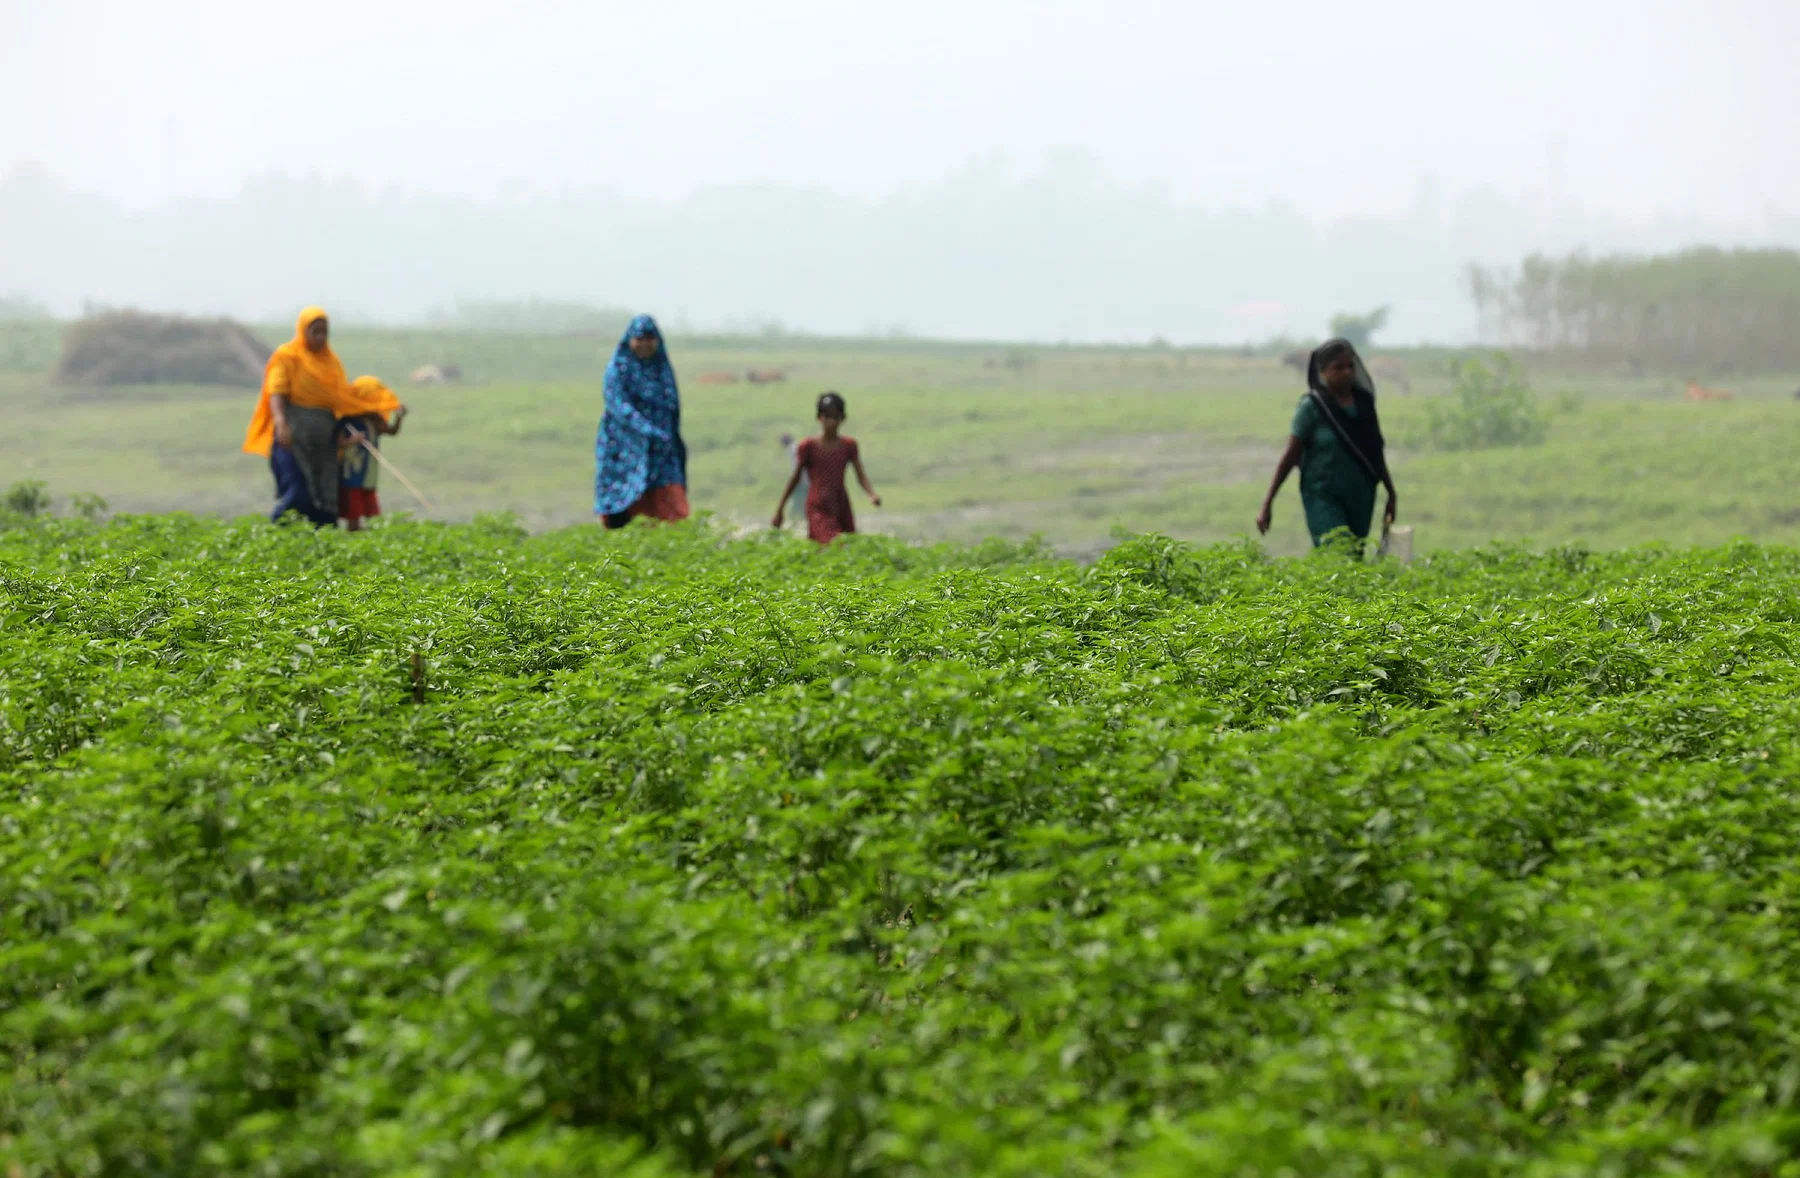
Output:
[[718, 378], [1699, 392], [765, 376], [436, 373]]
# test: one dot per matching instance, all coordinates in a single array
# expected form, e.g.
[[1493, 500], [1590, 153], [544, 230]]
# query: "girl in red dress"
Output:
[[822, 460]]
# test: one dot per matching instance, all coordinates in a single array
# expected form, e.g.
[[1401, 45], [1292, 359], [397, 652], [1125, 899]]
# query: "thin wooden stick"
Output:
[[363, 440]]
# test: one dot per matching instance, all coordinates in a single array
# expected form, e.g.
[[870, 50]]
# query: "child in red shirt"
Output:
[[822, 461]]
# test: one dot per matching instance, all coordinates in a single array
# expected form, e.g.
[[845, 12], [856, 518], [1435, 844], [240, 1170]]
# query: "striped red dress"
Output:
[[828, 513]]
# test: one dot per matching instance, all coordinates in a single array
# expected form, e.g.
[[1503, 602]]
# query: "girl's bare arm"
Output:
[[788, 491], [863, 478]]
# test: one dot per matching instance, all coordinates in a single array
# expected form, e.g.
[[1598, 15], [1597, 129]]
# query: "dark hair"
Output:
[[830, 403]]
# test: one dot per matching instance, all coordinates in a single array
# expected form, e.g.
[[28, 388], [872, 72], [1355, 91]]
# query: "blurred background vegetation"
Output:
[[1580, 429]]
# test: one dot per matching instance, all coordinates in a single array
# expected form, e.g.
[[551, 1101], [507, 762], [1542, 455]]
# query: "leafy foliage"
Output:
[[88, 505], [28, 497], [1493, 406], [726, 856]]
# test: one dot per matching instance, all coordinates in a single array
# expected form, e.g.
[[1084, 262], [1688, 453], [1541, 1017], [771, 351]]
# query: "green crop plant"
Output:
[[452, 850]]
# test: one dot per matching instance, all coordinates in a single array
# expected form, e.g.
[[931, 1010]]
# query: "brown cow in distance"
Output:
[[1699, 392], [765, 376], [718, 378]]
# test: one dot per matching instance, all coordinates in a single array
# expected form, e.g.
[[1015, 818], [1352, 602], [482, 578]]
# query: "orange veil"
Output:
[[311, 380]]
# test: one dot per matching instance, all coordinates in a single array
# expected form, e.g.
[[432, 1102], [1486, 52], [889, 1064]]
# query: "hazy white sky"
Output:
[[1683, 106]]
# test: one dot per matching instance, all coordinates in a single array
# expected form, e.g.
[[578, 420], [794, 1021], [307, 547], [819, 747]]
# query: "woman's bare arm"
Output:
[[1290, 458], [278, 407]]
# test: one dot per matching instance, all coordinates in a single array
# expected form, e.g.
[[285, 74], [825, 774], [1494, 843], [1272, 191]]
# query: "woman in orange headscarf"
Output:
[[304, 392]]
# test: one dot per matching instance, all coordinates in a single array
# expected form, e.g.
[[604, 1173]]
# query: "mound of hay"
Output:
[[132, 347]]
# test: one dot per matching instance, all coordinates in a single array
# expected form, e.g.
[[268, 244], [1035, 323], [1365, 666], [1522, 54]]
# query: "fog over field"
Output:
[[1038, 170]]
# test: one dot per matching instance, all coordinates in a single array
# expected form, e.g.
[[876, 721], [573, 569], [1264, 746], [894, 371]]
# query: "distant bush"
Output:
[[1019, 359], [28, 498], [1492, 405], [31, 498], [88, 505], [1359, 329]]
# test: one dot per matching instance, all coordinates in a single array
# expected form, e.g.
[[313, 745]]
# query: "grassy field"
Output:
[[964, 441]]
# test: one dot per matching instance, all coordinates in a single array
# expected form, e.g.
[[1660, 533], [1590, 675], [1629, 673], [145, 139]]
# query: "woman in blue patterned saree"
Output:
[[640, 459]]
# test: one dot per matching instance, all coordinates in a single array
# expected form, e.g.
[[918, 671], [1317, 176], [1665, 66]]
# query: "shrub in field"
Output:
[[1492, 405], [26, 498], [687, 855], [1359, 329], [88, 505], [31, 498]]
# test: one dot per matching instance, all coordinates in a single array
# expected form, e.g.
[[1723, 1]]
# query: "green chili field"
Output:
[[446, 849]]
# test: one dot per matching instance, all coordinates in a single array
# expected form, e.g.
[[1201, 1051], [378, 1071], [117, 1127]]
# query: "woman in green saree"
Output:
[[1336, 441]]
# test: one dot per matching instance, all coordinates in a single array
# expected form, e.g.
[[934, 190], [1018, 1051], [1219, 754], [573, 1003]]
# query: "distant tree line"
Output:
[[962, 257], [1703, 310]]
